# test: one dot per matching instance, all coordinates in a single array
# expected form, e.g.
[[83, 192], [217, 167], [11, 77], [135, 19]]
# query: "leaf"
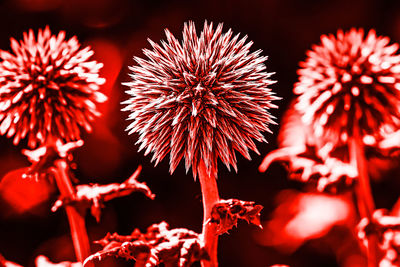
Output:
[[390, 144], [43, 158], [94, 195], [309, 159], [227, 212], [180, 247], [315, 160], [386, 228]]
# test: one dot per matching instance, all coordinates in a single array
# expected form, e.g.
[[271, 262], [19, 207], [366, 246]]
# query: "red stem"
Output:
[[141, 260], [210, 196], [139, 263], [363, 192], [75, 218]]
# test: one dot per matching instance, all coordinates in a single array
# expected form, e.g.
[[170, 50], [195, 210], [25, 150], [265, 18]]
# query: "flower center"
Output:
[[198, 94]]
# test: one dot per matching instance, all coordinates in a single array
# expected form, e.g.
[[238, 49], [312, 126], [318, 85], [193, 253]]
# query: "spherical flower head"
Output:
[[350, 82], [48, 89], [201, 99]]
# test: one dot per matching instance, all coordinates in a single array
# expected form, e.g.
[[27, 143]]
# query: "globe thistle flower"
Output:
[[349, 81], [201, 99], [48, 88]]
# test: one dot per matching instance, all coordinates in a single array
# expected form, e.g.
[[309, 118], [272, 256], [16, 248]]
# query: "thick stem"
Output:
[[75, 218], [210, 196], [363, 192]]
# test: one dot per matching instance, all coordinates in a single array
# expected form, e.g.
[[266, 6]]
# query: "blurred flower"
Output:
[[350, 80], [48, 88], [202, 99]]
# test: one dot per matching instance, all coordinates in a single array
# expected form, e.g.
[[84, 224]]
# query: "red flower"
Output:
[[349, 80], [201, 99], [48, 88]]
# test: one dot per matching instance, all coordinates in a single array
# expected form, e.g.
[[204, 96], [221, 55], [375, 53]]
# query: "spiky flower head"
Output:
[[48, 88], [350, 81], [201, 99]]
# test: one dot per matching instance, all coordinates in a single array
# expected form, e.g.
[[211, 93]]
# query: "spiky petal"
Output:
[[350, 80], [201, 99], [48, 88]]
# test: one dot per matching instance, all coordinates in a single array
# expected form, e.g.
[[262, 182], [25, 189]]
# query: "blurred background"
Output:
[[301, 227]]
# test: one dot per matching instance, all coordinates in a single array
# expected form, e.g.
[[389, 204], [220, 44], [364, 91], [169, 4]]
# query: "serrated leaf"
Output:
[[226, 214], [180, 247], [94, 195]]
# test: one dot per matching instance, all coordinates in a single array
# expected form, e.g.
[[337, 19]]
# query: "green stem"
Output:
[[210, 196], [75, 218], [363, 192]]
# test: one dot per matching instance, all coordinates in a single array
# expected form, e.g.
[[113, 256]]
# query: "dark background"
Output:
[[117, 30]]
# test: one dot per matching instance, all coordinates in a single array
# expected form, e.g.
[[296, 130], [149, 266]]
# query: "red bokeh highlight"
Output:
[[95, 13], [43, 261], [303, 216], [109, 53], [37, 5], [23, 195]]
